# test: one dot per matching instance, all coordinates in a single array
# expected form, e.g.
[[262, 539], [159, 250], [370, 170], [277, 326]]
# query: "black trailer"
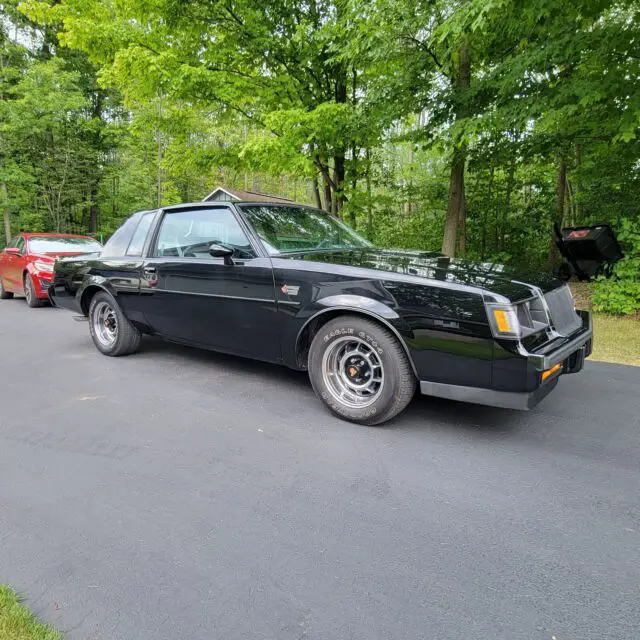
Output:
[[588, 251]]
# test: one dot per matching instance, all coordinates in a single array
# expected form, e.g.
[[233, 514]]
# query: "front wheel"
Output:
[[360, 370], [30, 293], [110, 329]]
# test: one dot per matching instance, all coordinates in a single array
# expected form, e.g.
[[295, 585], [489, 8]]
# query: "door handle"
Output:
[[149, 271]]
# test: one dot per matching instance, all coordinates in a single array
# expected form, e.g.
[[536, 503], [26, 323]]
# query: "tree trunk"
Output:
[[6, 214], [316, 191], [577, 187], [455, 203], [571, 203], [159, 172], [369, 204], [93, 209], [561, 187], [338, 181], [326, 180], [341, 96], [354, 181], [507, 200], [409, 183], [94, 187], [455, 221]]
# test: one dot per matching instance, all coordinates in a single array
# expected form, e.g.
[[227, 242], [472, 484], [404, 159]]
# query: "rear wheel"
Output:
[[110, 329], [4, 294], [30, 292], [360, 370]]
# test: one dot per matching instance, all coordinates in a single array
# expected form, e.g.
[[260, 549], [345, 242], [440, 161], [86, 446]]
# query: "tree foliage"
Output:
[[469, 126]]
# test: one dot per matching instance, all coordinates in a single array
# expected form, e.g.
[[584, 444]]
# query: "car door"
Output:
[[190, 296], [4, 263], [15, 265]]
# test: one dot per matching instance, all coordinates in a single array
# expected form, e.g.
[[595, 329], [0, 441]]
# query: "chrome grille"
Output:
[[564, 318]]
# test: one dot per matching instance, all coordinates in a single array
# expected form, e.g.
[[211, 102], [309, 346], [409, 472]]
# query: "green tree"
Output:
[[277, 64]]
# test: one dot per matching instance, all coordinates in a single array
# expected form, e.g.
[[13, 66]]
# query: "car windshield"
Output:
[[62, 244], [287, 229]]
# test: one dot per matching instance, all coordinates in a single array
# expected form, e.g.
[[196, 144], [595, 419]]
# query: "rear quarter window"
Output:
[[117, 244], [140, 235]]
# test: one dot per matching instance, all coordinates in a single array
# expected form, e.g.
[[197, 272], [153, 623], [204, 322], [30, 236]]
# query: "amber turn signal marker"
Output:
[[502, 320], [549, 372]]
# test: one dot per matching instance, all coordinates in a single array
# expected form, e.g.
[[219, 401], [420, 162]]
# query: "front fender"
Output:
[[40, 292], [31, 270], [356, 303]]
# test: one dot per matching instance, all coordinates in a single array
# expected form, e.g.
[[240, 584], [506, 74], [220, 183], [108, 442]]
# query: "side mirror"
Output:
[[12, 251], [221, 251]]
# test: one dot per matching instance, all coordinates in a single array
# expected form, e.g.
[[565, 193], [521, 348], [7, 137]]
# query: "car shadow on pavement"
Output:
[[422, 413], [237, 365], [431, 412]]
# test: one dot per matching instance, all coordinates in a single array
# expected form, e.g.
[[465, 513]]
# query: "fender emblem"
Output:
[[289, 290]]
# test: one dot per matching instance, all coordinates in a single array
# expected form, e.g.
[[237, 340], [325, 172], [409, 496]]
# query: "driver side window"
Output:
[[190, 233]]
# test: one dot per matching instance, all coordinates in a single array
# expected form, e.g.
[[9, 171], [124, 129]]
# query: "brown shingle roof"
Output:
[[249, 196]]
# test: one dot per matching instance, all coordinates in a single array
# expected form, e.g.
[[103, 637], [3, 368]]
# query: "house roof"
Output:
[[247, 196]]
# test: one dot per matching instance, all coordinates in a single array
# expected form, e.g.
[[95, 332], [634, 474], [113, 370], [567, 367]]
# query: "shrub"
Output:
[[620, 294]]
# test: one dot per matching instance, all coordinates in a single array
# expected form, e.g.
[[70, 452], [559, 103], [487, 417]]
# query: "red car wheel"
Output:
[[30, 292]]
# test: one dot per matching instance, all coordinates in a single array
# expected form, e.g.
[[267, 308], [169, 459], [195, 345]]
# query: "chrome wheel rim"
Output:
[[352, 372], [105, 324], [28, 291]]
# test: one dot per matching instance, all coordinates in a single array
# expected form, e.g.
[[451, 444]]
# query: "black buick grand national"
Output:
[[293, 285]]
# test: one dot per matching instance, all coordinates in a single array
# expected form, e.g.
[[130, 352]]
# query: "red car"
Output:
[[26, 265]]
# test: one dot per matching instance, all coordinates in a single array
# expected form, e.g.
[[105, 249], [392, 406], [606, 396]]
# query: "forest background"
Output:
[[468, 127]]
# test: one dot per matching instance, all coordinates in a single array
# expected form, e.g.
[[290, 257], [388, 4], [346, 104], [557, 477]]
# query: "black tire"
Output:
[[126, 337], [339, 336], [30, 293], [4, 294]]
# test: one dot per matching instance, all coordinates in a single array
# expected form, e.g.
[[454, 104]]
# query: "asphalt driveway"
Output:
[[186, 495]]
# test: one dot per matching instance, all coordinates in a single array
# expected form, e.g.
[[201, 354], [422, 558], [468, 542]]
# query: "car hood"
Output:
[[51, 256], [507, 281]]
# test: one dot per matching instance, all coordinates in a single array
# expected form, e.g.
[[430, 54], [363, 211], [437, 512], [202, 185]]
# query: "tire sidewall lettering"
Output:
[[346, 331], [349, 331]]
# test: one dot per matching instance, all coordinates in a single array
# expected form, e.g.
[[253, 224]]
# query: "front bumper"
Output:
[[543, 369], [506, 399], [555, 353]]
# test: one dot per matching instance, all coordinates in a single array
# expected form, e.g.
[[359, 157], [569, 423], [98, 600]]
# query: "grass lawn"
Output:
[[616, 339], [18, 623]]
